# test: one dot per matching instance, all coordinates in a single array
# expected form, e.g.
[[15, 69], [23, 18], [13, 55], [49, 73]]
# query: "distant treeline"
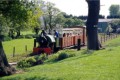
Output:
[[85, 17]]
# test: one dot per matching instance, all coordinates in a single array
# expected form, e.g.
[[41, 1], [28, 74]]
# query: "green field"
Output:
[[20, 47], [95, 65]]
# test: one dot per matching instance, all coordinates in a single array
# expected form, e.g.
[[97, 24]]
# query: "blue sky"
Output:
[[79, 7]]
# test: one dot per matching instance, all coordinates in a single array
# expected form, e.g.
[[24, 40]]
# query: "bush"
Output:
[[21, 36], [62, 56], [7, 38], [28, 62], [28, 36], [44, 56], [31, 60], [23, 64], [53, 58], [40, 58]]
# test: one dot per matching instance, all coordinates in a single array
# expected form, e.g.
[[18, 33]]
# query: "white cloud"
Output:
[[79, 7]]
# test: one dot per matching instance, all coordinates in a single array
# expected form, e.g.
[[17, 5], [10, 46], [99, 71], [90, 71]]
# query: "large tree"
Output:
[[51, 14], [9, 9], [92, 20]]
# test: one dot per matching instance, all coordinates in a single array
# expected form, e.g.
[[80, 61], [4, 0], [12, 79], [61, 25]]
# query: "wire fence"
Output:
[[104, 37]]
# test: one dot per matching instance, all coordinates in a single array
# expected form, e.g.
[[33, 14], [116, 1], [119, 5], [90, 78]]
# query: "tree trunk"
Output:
[[92, 20], [45, 23], [5, 68], [18, 33], [11, 33]]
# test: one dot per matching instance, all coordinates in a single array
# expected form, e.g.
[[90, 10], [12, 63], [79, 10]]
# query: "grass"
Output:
[[96, 65], [19, 45], [113, 43]]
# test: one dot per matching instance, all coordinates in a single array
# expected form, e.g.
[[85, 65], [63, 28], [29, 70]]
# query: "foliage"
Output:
[[40, 58], [109, 29], [73, 21], [114, 10], [3, 26], [53, 58], [52, 15], [34, 15], [7, 38], [21, 37], [28, 36], [62, 56], [43, 56], [31, 61], [21, 14], [118, 31], [28, 62], [115, 24]]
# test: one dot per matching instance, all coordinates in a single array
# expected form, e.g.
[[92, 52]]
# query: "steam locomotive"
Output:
[[68, 37]]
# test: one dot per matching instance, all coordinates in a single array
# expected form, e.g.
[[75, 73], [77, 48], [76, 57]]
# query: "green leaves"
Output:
[[114, 10]]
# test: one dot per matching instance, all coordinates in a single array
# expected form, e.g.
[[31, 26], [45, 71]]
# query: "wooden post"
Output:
[[111, 36], [13, 51], [101, 39], [26, 48], [79, 44], [34, 43], [104, 37]]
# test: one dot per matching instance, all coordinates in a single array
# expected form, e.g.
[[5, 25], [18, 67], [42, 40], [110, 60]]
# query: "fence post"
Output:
[[79, 44], [26, 48], [104, 37], [101, 39], [111, 36], [34, 43], [14, 51]]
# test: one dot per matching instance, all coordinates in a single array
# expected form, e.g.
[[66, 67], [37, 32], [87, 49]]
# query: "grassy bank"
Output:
[[86, 65]]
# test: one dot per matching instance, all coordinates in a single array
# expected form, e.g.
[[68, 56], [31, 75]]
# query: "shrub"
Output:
[[21, 36], [62, 56], [29, 36], [23, 64], [31, 60], [40, 58], [28, 62], [53, 58], [37, 57], [44, 56], [7, 38]]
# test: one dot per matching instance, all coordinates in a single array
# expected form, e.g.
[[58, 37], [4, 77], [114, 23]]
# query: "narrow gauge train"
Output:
[[68, 37]]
